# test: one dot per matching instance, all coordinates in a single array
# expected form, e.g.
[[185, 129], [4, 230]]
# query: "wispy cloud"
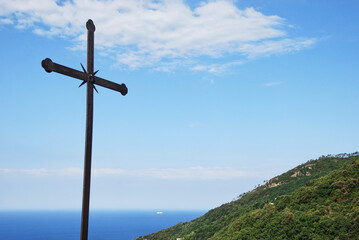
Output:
[[190, 173], [43, 171], [216, 68], [5, 21], [279, 46], [195, 124], [159, 33], [271, 84]]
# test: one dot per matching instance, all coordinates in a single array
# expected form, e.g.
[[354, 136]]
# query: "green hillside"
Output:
[[316, 200]]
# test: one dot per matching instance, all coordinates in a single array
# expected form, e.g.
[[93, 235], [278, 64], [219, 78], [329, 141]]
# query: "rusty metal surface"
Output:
[[89, 78]]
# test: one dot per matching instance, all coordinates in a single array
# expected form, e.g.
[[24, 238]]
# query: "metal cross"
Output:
[[89, 78]]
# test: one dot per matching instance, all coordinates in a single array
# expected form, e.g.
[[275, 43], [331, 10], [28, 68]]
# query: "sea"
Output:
[[103, 224]]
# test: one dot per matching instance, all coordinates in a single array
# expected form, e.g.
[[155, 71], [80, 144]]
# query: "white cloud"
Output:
[[190, 173], [158, 33]]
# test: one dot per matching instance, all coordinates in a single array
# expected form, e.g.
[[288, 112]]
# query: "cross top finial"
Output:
[[90, 25]]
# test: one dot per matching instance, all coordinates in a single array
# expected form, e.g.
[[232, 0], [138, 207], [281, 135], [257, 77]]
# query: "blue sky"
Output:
[[222, 95]]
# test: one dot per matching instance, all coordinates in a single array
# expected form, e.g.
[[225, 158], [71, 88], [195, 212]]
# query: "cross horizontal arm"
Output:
[[50, 66], [111, 85]]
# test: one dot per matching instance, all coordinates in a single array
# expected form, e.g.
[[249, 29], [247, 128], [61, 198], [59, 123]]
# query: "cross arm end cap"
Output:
[[124, 89], [47, 64]]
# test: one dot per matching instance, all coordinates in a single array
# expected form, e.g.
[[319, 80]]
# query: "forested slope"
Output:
[[316, 200]]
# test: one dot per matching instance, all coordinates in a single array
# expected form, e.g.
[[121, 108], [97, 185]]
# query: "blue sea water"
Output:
[[103, 225]]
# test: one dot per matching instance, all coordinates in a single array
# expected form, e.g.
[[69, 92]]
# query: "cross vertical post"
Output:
[[89, 126], [89, 78]]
